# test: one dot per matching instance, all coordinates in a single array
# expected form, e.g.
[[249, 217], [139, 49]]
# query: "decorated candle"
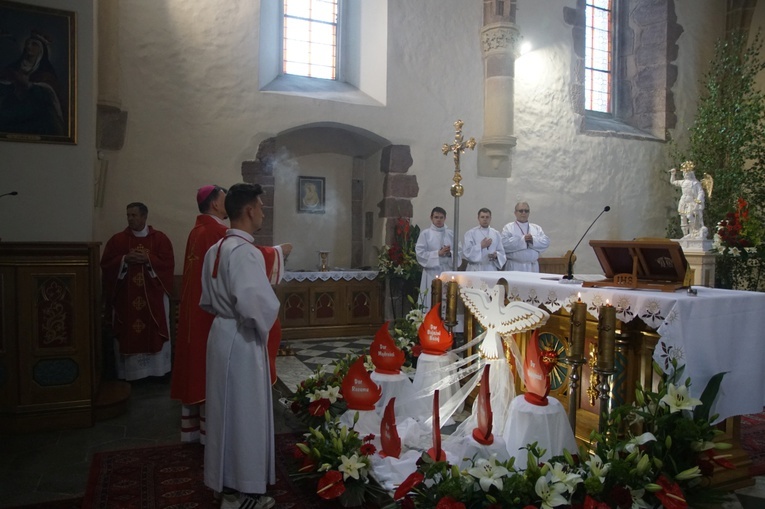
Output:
[[578, 328], [606, 337], [435, 292], [451, 302]]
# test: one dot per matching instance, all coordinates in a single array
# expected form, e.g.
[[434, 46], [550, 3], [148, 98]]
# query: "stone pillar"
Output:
[[261, 171], [500, 39], [398, 188], [111, 121]]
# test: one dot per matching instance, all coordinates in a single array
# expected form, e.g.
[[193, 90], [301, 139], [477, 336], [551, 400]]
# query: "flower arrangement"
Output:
[[740, 240], [320, 393], [405, 334], [399, 259], [657, 452], [339, 457]]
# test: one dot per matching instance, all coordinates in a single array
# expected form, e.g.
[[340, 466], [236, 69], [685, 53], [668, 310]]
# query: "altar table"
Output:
[[714, 331]]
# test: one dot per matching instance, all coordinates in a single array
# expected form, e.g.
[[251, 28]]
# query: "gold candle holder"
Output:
[[451, 303], [578, 328], [606, 337], [324, 261], [436, 289]]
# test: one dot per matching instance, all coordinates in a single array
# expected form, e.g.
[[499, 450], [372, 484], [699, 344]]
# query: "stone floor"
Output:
[[45, 466]]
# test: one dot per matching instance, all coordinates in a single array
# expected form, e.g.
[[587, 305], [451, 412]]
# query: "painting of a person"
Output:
[[311, 198], [30, 98]]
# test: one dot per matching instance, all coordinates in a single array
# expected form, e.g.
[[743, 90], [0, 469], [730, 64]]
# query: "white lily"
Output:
[[637, 441], [550, 493], [559, 475], [331, 393], [734, 251], [351, 467], [677, 398], [316, 396], [489, 473], [597, 468], [637, 499]]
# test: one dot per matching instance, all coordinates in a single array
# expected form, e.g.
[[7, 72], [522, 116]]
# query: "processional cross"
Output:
[[458, 147]]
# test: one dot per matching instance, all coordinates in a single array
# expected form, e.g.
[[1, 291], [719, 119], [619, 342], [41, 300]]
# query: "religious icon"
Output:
[[311, 195], [37, 74]]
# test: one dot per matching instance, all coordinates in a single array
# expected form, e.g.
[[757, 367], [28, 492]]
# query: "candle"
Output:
[[436, 291], [578, 328], [451, 302], [606, 337]]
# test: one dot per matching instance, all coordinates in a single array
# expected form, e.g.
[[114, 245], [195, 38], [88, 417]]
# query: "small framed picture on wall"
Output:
[[311, 195]]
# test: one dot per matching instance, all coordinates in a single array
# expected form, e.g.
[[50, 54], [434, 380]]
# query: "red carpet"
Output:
[[753, 441], [172, 477]]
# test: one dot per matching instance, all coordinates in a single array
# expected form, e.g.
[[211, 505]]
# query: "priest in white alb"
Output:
[[482, 247], [524, 241]]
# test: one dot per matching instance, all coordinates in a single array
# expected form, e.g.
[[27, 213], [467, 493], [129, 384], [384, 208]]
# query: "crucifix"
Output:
[[458, 147]]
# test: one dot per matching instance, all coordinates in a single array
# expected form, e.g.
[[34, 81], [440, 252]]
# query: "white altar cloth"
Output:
[[546, 425], [334, 275], [715, 331]]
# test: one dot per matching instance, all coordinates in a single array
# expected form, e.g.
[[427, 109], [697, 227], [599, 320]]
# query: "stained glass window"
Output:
[[310, 38]]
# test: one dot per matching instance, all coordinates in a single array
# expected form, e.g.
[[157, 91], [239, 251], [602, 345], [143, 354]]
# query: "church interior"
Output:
[[167, 97]]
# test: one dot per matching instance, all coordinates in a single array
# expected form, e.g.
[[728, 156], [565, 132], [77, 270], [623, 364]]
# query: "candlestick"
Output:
[[435, 292], [606, 337], [578, 328], [451, 303]]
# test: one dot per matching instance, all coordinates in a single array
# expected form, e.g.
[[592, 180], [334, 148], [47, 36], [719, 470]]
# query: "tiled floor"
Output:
[[44, 466]]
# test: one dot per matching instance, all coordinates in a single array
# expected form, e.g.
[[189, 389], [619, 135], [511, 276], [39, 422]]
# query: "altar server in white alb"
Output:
[[523, 241], [434, 250], [239, 455], [482, 247]]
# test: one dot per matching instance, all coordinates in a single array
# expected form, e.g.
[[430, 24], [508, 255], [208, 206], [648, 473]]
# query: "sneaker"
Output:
[[229, 500], [256, 502]]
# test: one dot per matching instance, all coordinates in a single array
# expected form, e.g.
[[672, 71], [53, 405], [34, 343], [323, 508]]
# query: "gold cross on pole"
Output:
[[458, 147]]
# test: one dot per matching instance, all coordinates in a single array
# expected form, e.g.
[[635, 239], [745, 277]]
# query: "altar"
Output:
[[336, 303], [710, 332]]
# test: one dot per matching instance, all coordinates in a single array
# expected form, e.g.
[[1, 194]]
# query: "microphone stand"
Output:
[[568, 278]]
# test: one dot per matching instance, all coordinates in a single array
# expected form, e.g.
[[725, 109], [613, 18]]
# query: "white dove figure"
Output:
[[501, 319]]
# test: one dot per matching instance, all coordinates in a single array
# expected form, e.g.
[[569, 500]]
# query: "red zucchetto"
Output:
[[386, 356], [359, 391], [434, 338]]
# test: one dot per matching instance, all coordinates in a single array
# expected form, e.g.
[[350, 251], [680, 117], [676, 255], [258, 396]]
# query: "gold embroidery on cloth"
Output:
[[138, 326], [139, 303]]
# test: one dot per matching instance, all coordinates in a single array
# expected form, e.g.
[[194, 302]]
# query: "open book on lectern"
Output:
[[655, 264]]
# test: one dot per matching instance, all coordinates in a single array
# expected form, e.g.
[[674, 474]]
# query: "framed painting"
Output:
[[38, 74], [311, 195]]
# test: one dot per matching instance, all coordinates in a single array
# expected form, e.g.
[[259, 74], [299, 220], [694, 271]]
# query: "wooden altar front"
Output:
[[714, 331], [330, 304]]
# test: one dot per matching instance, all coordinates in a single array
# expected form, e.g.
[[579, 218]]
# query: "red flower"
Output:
[[297, 452], [407, 503], [449, 503], [414, 480], [309, 465], [331, 485], [368, 449], [295, 407], [720, 459], [591, 503], [369, 437], [318, 407], [531, 507], [416, 350], [671, 496]]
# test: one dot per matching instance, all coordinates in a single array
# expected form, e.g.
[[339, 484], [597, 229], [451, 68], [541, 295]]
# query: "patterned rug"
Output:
[[171, 476], [753, 441]]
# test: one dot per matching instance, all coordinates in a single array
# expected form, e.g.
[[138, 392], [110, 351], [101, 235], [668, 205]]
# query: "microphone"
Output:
[[12, 193], [569, 277]]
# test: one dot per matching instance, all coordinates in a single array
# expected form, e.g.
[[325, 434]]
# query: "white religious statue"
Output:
[[692, 200], [501, 321]]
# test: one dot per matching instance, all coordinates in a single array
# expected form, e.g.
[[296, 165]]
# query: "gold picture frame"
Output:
[[38, 74]]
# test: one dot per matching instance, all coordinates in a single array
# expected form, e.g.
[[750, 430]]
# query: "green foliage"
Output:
[[727, 139]]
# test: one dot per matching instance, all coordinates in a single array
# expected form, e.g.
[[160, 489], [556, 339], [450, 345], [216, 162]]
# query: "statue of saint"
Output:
[[691, 204]]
